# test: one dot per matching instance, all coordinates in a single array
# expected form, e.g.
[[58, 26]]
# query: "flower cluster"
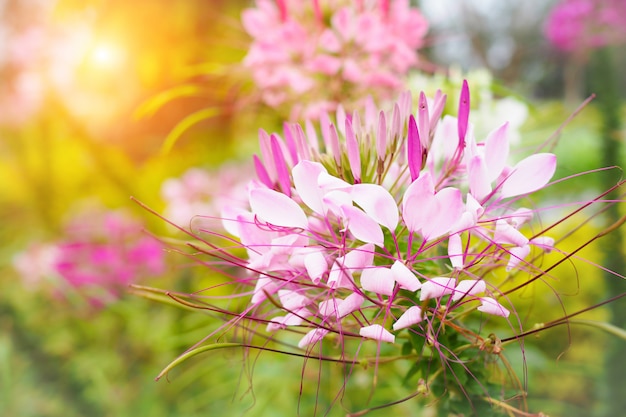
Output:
[[391, 222], [331, 51], [100, 254], [582, 25], [199, 194]]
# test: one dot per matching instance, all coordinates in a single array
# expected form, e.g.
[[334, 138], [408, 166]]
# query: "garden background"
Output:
[[104, 100]]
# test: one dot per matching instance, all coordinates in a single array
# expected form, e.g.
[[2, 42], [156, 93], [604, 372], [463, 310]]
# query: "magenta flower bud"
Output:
[[414, 149]]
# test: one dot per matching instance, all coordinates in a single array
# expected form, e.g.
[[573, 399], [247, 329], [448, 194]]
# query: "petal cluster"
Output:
[[344, 224], [320, 49]]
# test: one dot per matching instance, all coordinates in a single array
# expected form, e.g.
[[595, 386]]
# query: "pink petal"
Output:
[[437, 110], [277, 209], [381, 137], [261, 172], [363, 227], [281, 165], [491, 306], [264, 285], [351, 304], [544, 242], [396, 123], [305, 180], [423, 119], [316, 265], [354, 154], [505, 233], [518, 254], [520, 216], [414, 149], [468, 287], [411, 316], [292, 300], [328, 308], [280, 322], [360, 257], [378, 280], [455, 251], [290, 141], [377, 203], [436, 288], [339, 276], [419, 194], [443, 213], [463, 117], [404, 277], [377, 332], [312, 337], [497, 151], [266, 153], [478, 176], [530, 174]]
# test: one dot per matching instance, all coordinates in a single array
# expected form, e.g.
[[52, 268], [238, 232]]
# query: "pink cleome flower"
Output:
[[100, 254], [582, 25], [345, 236], [324, 50]]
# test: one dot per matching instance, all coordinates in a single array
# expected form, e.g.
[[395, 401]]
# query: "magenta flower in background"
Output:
[[100, 254], [198, 195], [583, 25], [319, 52]]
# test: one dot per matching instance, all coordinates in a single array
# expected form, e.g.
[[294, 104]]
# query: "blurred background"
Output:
[[104, 100]]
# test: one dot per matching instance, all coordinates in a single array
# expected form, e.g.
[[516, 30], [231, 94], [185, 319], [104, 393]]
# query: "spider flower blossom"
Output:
[[390, 222], [199, 194], [582, 25], [100, 254], [323, 50]]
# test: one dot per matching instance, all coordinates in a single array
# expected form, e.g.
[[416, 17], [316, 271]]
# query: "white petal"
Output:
[[316, 265], [351, 304], [505, 233], [446, 211], [377, 332], [377, 203], [329, 307], [305, 180], [491, 306], [264, 285], [292, 300], [312, 337], [277, 209], [411, 316], [363, 227], [518, 254], [544, 242], [530, 174], [497, 151], [455, 251], [436, 288], [378, 280], [468, 287], [360, 257], [479, 183], [404, 277]]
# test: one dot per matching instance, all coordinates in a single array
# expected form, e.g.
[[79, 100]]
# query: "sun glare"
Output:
[[106, 55]]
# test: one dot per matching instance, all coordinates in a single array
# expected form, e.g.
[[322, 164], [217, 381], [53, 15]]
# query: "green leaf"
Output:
[[185, 124], [190, 354], [153, 104]]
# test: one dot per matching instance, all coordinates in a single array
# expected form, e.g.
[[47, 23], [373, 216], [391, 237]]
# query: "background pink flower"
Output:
[[586, 24], [326, 51]]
